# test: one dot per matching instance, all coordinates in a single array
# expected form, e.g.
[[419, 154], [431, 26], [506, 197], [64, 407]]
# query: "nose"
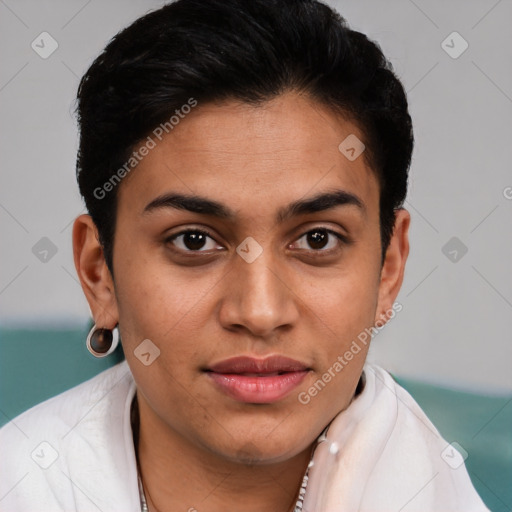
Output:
[[258, 298]]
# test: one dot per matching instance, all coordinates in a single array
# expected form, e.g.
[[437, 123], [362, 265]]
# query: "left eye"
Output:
[[193, 240], [319, 240]]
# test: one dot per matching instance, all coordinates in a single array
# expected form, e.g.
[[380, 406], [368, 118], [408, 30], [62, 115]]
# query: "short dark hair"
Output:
[[253, 51]]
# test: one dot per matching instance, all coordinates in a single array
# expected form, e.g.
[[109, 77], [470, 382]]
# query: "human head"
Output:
[[257, 155], [247, 51]]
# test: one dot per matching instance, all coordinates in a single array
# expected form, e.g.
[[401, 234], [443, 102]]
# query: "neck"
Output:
[[178, 476]]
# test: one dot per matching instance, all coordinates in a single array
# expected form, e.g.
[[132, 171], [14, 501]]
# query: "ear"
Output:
[[95, 277], [392, 272]]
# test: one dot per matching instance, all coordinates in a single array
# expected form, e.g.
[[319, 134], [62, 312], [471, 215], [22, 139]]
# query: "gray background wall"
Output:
[[456, 324]]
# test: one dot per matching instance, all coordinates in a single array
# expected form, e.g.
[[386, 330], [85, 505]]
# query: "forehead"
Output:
[[253, 156]]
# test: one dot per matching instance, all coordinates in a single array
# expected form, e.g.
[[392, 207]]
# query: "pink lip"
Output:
[[258, 381]]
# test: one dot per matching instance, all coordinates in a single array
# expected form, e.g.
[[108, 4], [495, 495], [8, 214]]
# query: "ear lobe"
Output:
[[94, 275], [392, 272]]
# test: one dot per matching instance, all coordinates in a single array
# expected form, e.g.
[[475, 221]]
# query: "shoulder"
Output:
[[413, 455], [66, 410], [383, 453], [61, 451]]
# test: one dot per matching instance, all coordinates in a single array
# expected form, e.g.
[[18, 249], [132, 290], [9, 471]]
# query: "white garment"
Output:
[[74, 452]]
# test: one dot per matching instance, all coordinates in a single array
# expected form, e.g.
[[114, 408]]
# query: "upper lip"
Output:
[[245, 364]]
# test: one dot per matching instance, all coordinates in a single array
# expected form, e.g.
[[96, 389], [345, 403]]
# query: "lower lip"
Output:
[[258, 390]]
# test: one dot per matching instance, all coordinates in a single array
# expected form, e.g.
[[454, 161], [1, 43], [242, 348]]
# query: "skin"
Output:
[[198, 447]]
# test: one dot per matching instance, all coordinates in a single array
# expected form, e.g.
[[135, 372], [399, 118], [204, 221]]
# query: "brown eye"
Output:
[[317, 239], [320, 240], [193, 241]]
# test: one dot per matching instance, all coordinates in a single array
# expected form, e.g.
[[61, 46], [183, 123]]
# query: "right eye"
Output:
[[193, 240]]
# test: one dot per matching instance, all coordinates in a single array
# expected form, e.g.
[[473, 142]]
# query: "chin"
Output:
[[259, 449]]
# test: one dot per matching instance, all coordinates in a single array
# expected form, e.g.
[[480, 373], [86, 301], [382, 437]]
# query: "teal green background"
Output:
[[38, 364]]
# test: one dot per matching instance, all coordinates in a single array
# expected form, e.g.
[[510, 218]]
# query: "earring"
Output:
[[102, 342]]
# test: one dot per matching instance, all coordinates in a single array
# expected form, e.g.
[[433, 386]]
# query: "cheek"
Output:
[[153, 297], [343, 309], [172, 308], [343, 348], [346, 302], [155, 306]]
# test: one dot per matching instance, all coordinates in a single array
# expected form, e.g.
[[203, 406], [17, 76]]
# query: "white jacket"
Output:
[[74, 452]]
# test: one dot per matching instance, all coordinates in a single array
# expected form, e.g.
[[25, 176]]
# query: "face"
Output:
[[276, 260]]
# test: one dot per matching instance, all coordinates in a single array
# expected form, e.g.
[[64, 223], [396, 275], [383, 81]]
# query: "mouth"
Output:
[[257, 381]]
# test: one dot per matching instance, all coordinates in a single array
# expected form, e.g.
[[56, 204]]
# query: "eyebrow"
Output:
[[204, 206]]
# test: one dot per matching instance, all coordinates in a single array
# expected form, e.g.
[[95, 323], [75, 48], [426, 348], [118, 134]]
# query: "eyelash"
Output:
[[343, 239]]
